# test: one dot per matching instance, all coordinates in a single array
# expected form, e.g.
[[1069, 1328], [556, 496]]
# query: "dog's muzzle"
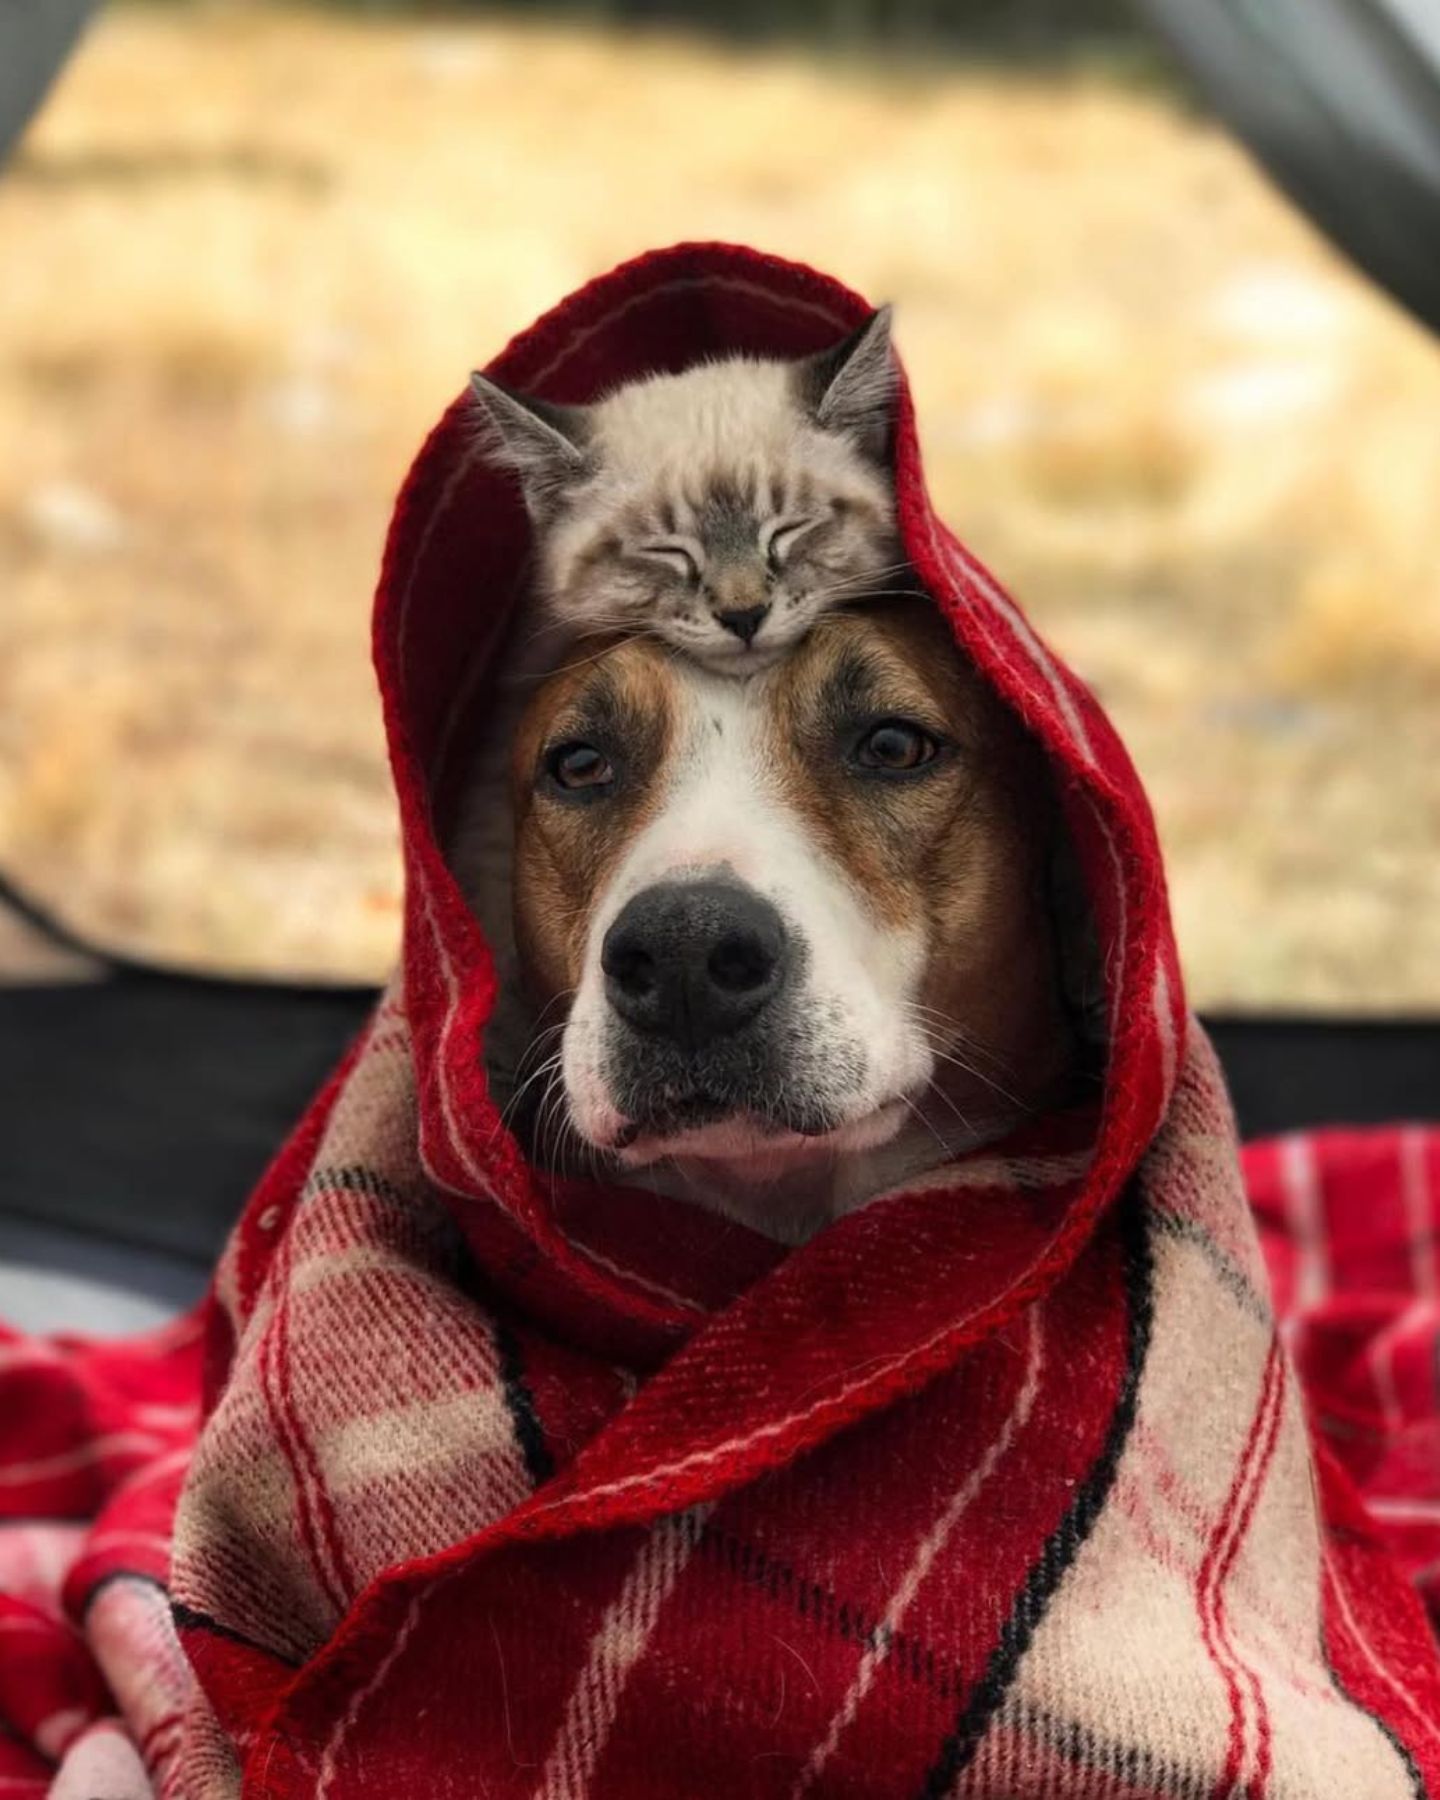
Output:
[[701, 979]]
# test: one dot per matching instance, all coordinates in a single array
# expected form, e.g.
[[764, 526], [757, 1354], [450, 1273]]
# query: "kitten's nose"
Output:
[[744, 622]]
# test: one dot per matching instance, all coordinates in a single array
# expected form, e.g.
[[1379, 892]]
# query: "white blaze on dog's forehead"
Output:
[[724, 805]]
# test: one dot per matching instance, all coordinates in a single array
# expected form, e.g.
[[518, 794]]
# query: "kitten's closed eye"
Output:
[[684, 560], [780, 537]]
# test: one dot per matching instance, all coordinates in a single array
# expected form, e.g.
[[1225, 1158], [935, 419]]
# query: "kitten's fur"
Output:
[[723, 508]]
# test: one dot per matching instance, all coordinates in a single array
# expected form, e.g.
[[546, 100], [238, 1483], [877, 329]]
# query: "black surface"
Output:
[[144, 1107], [1340, 100], [1288, 1072], [141, 1109]]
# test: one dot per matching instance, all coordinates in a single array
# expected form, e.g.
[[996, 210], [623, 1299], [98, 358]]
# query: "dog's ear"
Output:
[[543, 443], [851, 387]]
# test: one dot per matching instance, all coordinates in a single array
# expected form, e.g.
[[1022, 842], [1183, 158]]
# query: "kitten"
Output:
[[723, 508]]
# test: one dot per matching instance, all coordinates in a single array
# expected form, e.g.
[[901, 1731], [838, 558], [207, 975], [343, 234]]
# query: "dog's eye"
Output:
[[896, 747], [579, 768]]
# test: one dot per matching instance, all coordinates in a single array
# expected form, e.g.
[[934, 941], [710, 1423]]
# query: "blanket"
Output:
[[1012, 1483]]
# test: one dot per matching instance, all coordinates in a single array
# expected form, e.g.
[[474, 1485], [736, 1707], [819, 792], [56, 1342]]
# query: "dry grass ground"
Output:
[[247, 256]]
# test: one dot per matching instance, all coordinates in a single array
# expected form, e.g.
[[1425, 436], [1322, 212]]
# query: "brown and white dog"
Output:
[[779, 943]]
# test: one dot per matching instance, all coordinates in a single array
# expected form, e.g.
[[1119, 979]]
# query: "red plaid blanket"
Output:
[[1002, 1486]]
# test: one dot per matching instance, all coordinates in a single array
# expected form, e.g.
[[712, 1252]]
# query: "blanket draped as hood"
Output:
[[1002, 1486]]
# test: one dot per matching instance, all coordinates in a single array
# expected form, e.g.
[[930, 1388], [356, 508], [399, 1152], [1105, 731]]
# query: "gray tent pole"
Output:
[[1340, 100], [35, 38]]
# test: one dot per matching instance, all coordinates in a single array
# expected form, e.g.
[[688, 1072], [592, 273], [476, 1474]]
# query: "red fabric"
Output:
[[94, 1439], [508, 1486], [1350, 1225]]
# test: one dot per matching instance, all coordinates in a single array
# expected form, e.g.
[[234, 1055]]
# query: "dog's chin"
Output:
[[752, 1149]]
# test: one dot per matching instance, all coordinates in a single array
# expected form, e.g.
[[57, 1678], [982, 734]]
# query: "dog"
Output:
[[778, 944]]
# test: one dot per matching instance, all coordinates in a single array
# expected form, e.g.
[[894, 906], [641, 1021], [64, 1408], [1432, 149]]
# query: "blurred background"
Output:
[[248, 253]]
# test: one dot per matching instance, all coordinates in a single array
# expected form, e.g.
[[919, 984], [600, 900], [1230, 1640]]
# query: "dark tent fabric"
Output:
[[35, 38], [1340, 99]]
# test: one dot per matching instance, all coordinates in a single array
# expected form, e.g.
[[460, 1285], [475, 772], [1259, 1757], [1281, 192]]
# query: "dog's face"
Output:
[[782, 911]]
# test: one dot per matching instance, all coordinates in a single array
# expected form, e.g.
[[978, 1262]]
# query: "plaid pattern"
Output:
[[94, 1440], [1350, 1222], [1000, 1487]]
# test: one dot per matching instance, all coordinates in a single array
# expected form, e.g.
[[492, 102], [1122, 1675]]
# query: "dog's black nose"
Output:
[[694, 961], [745, 622]]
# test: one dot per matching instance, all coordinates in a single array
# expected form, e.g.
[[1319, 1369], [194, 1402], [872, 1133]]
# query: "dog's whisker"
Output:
[[928, 1125], [968, 1068], [554, 1122], [956, 1033], [547, 1069], [966, 1125]]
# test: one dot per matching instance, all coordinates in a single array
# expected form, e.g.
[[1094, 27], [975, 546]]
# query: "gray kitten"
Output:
[[723, 508]]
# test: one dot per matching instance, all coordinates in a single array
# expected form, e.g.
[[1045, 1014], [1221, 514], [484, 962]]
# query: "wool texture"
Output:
[[1005, 1485]]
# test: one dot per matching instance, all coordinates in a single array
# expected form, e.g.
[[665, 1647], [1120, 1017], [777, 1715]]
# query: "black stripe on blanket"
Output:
[[914, 1660], [182, 1616], [520, 1402], [1133, 1764], [1074, 1529], [187, 1619], [822, 1607], [356, 1180], [1228, 1273]]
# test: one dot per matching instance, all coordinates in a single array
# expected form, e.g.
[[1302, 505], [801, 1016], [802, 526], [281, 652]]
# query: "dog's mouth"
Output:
[[789, 1087], [661, 1106], [705, 1128]]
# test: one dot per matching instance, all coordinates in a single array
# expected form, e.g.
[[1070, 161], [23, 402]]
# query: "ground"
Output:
[[250, 255]]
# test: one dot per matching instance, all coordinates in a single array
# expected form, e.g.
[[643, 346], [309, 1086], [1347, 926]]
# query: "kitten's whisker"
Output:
[[865, 579], [862, 594]]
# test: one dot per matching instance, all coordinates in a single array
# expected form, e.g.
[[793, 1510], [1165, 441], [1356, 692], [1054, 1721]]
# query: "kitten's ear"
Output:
[[851, 387], [543, 443]]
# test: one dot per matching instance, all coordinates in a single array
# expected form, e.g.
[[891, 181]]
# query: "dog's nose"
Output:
[[744, 622], [694, 961]]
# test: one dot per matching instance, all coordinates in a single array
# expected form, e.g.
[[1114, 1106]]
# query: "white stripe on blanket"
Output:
[[614, 1650], [929, 1548]]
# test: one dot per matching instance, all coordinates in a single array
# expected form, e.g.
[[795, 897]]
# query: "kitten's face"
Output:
[[732, 564], [723, 509]]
